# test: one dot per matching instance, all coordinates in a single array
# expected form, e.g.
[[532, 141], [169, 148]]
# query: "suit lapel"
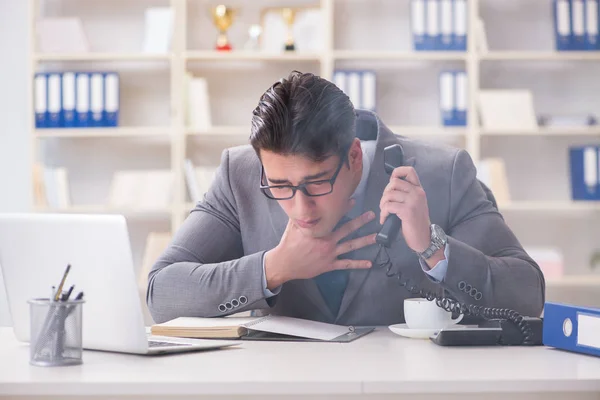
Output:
[[377, 181]]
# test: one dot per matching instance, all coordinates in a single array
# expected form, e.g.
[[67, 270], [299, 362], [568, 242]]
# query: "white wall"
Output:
[[14, 144]]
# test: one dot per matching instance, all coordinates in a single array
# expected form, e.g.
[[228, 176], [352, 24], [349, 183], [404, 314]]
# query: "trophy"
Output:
[[289, 15], [222, 18], [253, 38]]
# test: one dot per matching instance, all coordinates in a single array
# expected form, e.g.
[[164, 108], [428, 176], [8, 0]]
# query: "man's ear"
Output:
[[355, 154]]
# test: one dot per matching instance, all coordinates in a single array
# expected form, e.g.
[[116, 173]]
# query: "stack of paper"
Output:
[[492, 172], [141, 190]]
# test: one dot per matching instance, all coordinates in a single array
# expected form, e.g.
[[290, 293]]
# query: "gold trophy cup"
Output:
[[222, 18], [289, 16]]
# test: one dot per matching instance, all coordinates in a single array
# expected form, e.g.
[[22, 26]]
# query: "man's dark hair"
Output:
[[304, 115]]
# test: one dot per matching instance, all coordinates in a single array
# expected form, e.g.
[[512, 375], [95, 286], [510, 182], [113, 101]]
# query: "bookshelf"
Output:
[[101, 57], [159, 127]]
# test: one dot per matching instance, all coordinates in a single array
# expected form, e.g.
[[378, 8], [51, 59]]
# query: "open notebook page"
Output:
[[216, 323], [297, 327]]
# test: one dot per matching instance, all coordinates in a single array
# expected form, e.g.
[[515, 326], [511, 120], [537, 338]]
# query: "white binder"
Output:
[[417, 23], [460, 117], [578, 16], [433, 24], [447, 97], [354, 88], [97, 99], [54, 100], [111, 89], [590, 168], [68, 99], [460, 25], [591, 25], [446, 41], [368, 91], [83, 99], [339, 79], [41, 100]]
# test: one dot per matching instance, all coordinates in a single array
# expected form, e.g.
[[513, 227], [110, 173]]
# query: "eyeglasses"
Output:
[[313, 188]]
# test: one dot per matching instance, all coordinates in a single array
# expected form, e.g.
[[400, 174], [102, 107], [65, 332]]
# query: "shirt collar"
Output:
[[368, 148]]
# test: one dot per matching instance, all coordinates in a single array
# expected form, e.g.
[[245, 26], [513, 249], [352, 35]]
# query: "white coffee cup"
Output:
[[424, 314]]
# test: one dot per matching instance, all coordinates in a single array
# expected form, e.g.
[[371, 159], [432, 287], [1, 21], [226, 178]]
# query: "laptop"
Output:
[[35, 249]]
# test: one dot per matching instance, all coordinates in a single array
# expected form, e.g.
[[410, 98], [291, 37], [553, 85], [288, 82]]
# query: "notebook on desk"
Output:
[[270, 327]]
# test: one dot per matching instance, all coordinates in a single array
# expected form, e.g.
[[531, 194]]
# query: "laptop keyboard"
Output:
[[157, 343]]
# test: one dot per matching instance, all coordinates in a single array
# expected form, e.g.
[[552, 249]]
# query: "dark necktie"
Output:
[[332, 284]]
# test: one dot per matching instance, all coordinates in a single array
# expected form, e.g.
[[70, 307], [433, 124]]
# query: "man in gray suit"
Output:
[[288, 226]]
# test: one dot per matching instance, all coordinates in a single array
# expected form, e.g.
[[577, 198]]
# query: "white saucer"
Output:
[[404, 330]]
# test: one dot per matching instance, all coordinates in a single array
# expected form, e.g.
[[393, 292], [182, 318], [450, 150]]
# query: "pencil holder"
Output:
[[56, 331]]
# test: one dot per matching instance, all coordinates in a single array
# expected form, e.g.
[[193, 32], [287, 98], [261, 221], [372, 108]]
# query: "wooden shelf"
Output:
[[210, 55], [548, 206], [220, 131], [416, 131], [399, 55], [101, 132], [543, 131], [103, 209], [587, 280], [540, 56], [101, 57]]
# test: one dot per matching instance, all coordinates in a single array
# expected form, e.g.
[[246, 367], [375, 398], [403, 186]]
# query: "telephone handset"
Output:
[[501, 326], [393, 157]]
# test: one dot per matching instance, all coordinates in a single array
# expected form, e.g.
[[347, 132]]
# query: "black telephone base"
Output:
[[511, 334], [494, 332]]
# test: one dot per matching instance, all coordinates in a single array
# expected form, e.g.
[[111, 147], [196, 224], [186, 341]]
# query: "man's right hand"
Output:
[[299, 256]]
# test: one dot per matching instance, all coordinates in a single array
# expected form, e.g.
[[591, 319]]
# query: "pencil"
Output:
[[62, 283]]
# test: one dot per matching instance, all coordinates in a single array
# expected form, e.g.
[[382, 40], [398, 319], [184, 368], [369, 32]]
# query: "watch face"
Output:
[[438, 234]]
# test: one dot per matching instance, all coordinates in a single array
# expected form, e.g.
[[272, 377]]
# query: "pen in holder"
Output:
[[56, 332]]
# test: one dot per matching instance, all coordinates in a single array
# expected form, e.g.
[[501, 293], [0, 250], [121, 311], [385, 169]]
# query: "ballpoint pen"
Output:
[[65, 296]]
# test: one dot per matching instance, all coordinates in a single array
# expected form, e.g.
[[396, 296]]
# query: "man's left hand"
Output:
[[405, 197]]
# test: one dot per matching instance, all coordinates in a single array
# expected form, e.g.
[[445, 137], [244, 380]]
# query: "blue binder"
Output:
[[585, 175], [446, 29], [447, 98], [54, 85], [578, 25], [592, 41], [97, 111], [69, 99], [563, 32], [111, 99], [461, 91], [82, 108], [40, 100], [432, 25], [418, 24], [459, 25], [572, 328]]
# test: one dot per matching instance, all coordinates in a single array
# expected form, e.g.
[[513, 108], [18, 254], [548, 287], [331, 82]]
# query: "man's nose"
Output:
[[303, 202]]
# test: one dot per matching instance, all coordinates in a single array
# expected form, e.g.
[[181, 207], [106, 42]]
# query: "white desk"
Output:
[[379, 365]]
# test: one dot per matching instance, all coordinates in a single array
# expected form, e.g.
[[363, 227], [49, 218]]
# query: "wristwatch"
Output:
[[438, 240]]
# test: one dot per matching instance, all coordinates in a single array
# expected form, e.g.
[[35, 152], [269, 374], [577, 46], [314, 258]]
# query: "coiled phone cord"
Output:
[[453, 305]]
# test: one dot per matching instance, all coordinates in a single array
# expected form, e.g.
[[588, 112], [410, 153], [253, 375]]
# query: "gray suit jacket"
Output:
[[213, 267]]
